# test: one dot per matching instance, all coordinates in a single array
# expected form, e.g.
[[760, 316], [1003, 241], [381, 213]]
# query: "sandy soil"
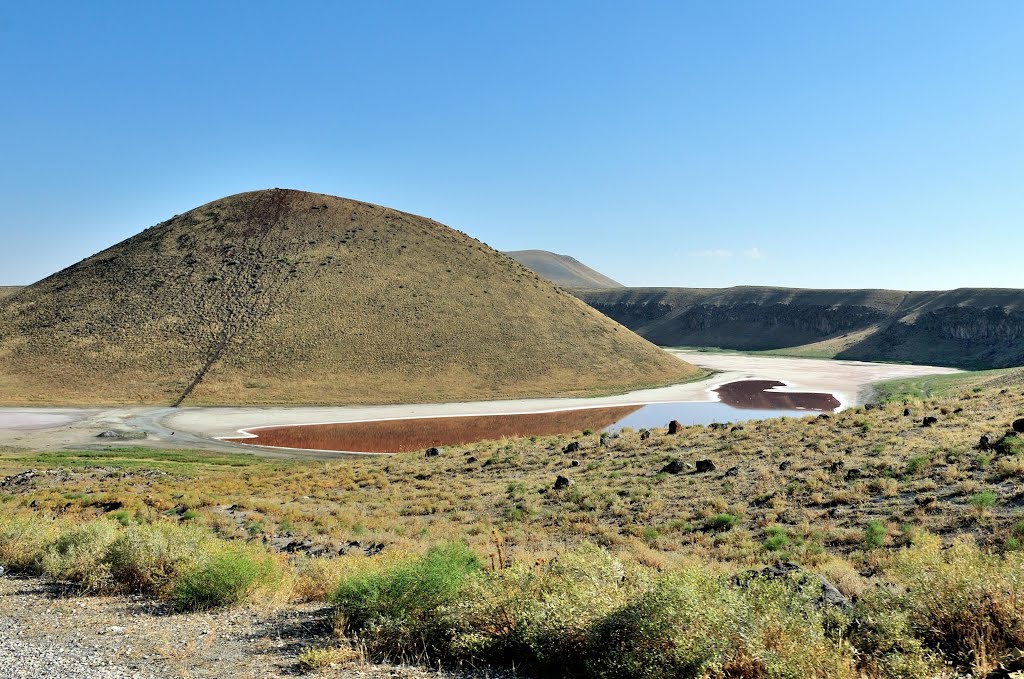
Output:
[[196, 427]]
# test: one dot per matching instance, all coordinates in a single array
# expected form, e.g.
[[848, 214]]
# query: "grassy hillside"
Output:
[[6, 290], [282, 296], [631, 567], [562, 269], [967, 328]]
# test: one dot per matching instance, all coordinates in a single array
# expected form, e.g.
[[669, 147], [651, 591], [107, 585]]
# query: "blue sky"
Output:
[[700, 144]]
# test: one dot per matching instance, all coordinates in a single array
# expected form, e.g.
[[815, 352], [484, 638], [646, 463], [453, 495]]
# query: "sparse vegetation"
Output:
[[628, 571]]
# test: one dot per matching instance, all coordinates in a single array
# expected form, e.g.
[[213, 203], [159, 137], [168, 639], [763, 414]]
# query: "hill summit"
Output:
[[563, 270], [282, 296]]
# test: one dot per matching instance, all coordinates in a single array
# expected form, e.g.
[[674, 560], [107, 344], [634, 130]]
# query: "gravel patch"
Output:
[[50, 632]]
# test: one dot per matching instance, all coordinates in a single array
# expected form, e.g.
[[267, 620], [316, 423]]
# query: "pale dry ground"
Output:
[[197, 427]]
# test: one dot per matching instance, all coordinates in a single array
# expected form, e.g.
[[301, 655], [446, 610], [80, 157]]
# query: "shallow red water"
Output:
[[739, 401], [398, 436], [753, 395]]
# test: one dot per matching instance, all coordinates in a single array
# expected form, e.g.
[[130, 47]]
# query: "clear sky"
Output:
[[877, 143]]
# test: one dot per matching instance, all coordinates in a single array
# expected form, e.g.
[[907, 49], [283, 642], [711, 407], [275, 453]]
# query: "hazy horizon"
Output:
[[672, 145]]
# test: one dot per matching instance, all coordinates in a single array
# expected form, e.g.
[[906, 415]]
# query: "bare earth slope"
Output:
[[562, 269], [968, 328], [282, 296]]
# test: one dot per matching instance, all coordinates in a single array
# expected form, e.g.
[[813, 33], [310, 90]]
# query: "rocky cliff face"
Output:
[[964, 328]]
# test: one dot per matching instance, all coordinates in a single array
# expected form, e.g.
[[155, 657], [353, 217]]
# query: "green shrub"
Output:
[[962, 601], [22, 542], [722, 522], [777, 539], [539, 617], [397, 609], [223, 577], [916, 464], [874, 535], [983, 500], [77, 554], [149, 557], [693, 624], [885, 641]]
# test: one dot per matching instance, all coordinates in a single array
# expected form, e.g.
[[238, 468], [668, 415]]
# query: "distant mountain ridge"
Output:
[[562, 270], [281, 296], [967, 328], [9, 289]]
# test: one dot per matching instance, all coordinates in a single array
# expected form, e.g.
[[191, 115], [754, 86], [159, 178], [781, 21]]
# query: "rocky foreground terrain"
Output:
[[47, 630]]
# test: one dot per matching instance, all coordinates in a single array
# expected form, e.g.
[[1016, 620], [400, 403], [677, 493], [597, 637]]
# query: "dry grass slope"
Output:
[[283, 296], [6, 290], [562, 269]]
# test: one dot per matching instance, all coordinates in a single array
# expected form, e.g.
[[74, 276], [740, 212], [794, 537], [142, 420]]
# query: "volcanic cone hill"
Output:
[[562, 270], [282, 297]]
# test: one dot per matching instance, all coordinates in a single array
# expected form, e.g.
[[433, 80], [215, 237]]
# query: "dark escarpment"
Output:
[[967, 328]]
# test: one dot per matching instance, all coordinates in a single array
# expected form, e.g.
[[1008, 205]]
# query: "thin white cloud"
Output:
[[712, 253], [753, 253]]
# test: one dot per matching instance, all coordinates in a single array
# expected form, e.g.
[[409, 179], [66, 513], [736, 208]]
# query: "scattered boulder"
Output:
[[574, 463], [573, 447], [870, 406], [603, 441], [732, 471], [18, 481], [907, 412], [853, 474], [562, 482], [423, 477], [785, 464], [645, 434], [433, 452], [790, 572], [715, 426], [737, 428], [987, 441], [929, 421], [705, 466], [836, 467], [674, 427], [824, 417], [1018, 426], [673, 467], [471, 459], [122, 435]]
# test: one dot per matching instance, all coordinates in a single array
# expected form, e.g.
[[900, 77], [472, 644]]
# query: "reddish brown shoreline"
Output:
[[754, 395], [399, 436]]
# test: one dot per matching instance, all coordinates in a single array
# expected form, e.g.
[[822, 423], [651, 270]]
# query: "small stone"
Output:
[[562, 482], [573, 447], [705, 466], [786, 464], [929, 421], [433, 452]]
